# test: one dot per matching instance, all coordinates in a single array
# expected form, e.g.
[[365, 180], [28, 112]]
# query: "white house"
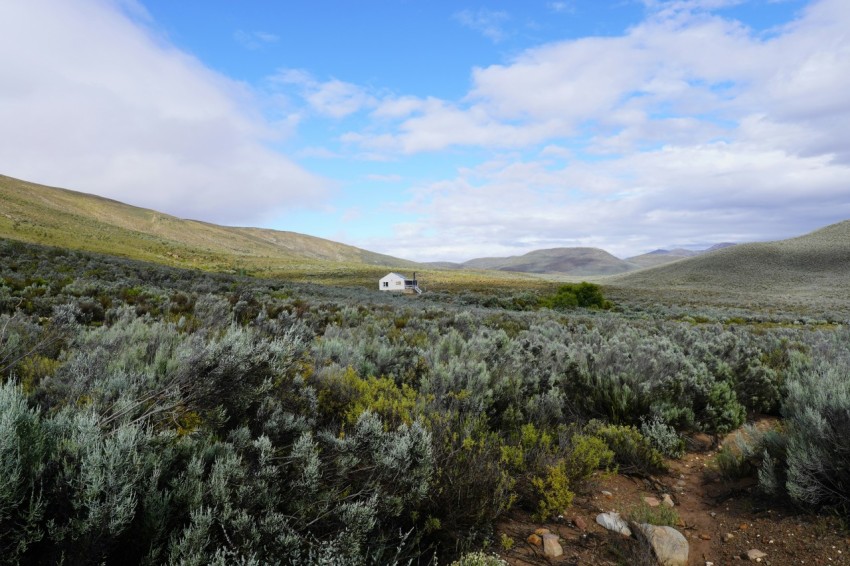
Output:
[[396, 282]]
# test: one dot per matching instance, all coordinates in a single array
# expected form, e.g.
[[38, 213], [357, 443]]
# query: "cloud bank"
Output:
[[90, 99], [689, 128]]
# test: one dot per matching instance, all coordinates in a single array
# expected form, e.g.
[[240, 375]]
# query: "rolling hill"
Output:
[[806, 269], [568, 261], [46, 215], [574, 261], [571, 261]]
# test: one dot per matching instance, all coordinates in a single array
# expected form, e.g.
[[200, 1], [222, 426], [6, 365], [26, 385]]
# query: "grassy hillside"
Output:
[[572, 261], [39, 214], [810, 269]]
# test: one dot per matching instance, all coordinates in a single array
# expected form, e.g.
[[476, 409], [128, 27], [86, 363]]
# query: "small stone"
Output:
[[667, 500], [681, 483], [613, 522], [743, 526], [607, 494], [540, 532], [652, 501], [534, 540], [727, 537], [713, 514], [670, 546], [755, 555], [704, 536], [580, 523], [551, 547]]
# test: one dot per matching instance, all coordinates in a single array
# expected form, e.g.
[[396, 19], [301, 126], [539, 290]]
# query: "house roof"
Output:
[[393, 273]]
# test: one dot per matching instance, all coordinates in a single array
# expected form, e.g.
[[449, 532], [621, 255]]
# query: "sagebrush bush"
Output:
[[663, 437], [168, 415], [24, 454], [817, 416]]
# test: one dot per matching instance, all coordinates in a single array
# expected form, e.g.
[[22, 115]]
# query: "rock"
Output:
[[580, 523], [540, 532], [607, 494], [613, 522], [534, 540], [670, 546], [667, 500], [651, 501], [727, 537], [704, 536], [755, 555], [551, 546]]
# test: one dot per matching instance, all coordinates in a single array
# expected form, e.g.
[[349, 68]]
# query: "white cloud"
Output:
[[91, 100], [333, 98], [629, 205], [695, 75], [488, 23], [687, 128]]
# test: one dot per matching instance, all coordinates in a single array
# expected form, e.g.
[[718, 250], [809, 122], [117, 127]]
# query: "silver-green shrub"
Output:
[[817, 416]]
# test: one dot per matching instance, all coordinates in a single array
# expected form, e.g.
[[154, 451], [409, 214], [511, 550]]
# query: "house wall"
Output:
[[393, 283]]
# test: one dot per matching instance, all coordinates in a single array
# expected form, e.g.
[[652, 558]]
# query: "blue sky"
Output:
[[444, 129]]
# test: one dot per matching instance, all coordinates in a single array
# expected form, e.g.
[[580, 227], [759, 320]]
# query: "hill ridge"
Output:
[[57, 216]]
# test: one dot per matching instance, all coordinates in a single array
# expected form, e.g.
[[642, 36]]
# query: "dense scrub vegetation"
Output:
[[154, 415]]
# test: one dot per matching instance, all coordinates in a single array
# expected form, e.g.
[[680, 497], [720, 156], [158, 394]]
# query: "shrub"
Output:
[[553, 468], [552, 492], [343, 397], [663, 437], [24, 451], [633, 453], [723, 413], [471, 486], [479, 559], [817, 414], [586, 455], [571, 295]]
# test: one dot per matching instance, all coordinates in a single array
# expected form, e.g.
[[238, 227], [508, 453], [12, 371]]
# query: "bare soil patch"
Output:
[[721, 520]]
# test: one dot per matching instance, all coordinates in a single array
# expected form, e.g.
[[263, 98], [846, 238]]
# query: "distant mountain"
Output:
[[571, 261], [661, 257], [814, 265], [59, 217], [720, 246], [574, 261]]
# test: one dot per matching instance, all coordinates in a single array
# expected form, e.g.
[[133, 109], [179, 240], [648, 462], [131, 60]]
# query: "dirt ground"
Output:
[[721, 520]]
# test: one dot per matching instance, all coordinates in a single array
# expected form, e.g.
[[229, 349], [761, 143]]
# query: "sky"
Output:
[[442, 130]]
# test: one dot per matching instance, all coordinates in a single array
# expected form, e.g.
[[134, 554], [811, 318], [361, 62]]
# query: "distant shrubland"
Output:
[[154, 415]]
